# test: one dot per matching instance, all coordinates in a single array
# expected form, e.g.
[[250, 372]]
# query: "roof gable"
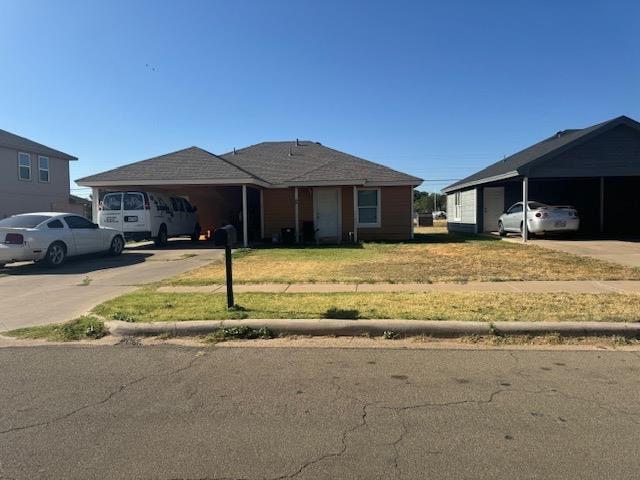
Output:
[[520, 162], [16, 142]]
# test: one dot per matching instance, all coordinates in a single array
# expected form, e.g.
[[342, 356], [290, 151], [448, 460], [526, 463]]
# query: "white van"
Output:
[[149, 216]]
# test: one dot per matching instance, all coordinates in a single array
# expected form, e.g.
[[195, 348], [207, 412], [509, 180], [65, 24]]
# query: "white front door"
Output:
[[493, 202], [327, 214]]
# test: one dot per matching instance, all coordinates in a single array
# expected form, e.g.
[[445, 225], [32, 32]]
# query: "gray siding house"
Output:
[[33, 177], [595, 169]]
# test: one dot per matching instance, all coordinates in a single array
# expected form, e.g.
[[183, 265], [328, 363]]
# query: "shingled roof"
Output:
[[190, 165], [16, 142], [305, 162], [268, 164], [518, 163]]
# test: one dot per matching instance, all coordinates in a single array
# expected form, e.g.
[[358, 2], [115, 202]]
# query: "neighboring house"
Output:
[[80, 205], [298, 191], [33, 177], [596, 169]]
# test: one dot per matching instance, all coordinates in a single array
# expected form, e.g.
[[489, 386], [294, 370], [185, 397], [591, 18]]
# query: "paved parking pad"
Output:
[[31, 294]]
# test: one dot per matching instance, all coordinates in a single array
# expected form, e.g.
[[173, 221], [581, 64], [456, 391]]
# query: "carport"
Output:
[[218, 205], [595, 169], [223, 193]]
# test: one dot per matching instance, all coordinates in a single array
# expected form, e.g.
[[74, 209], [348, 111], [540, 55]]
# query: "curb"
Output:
[[323, 327]]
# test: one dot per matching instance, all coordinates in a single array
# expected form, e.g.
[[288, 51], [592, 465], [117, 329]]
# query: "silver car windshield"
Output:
[[23, 221]]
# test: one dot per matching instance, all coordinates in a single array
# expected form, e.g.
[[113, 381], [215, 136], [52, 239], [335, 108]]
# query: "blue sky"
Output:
[[436, 89]]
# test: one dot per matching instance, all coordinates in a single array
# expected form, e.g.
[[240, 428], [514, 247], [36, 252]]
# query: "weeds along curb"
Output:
[[324, 327]]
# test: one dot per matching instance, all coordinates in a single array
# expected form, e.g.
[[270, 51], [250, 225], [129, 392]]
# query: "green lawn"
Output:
[[79, 329], [433, 257], [147, 305]]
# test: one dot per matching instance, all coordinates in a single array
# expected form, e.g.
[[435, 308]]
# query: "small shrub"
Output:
[[390, 335], [123, 317], [242, 332], [493, 330]]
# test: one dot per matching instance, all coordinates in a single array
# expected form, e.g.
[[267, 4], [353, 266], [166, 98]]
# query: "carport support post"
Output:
[[95, 201], [245, 228], [601, 204], [355, 214], [413, 213], [296, 214], [525, 208]]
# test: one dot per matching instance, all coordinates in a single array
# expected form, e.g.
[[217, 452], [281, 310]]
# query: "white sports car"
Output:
[[52, 237], [541, 218]]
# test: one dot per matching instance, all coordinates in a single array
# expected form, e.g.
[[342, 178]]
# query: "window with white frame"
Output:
[[24, 166], [457, 207], [368, 207], [43, 169]]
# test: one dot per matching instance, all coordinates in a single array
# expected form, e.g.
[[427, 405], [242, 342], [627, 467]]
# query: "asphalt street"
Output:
[[172, 412]]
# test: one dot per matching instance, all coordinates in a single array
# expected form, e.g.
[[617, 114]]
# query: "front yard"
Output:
[[147, 305], [433, 257]]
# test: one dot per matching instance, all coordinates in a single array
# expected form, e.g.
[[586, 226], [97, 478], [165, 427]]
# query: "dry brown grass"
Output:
[[146, 305], [433, 257]]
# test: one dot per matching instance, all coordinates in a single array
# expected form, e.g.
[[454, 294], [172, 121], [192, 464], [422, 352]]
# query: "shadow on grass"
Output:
[[305, 246], [338, 313], [418, 238]]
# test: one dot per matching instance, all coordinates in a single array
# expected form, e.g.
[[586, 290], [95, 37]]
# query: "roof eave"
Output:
[[123, 183], [461, 186]]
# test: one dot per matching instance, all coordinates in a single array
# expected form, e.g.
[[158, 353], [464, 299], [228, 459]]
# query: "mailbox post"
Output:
[[226, 237]]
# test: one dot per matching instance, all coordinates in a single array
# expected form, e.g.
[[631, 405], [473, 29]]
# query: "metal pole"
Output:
[[413, 214], [296, 214], [525, 208], [245, 225], [355, 214], [229, 271], [261, 214], [601, 204]]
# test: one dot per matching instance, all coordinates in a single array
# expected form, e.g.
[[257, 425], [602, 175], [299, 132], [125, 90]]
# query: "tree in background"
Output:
[[423, 202]]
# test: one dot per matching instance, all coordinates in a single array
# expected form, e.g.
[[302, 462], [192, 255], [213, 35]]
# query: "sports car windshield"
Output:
[[23, 221]]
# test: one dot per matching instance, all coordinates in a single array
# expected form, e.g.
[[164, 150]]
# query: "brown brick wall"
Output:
[[395, 222], [278, 210], [395, 207]]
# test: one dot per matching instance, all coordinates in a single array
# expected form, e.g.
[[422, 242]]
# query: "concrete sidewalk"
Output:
[[570, 286]]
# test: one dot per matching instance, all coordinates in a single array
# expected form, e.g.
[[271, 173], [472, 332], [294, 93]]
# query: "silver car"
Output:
[[52, 237], [541, 218]]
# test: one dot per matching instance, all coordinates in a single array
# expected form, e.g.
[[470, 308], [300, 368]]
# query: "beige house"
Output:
[[282, 192], [34, 178]]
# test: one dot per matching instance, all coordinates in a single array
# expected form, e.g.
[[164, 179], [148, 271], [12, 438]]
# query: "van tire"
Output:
[[195, 236], [161, 239]]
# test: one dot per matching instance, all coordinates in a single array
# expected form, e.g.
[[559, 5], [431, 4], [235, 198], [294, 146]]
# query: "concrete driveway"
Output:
[[31, 294], [623, 252]]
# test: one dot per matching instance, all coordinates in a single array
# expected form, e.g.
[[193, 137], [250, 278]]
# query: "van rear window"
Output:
[[112, 201], [133, 201]]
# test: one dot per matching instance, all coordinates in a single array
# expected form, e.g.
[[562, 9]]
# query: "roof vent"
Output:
[[290, 152], [297, 142], [560, 133], [234, 150]]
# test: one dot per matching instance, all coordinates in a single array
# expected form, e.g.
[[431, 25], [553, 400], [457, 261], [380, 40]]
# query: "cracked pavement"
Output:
[[172, 412]]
